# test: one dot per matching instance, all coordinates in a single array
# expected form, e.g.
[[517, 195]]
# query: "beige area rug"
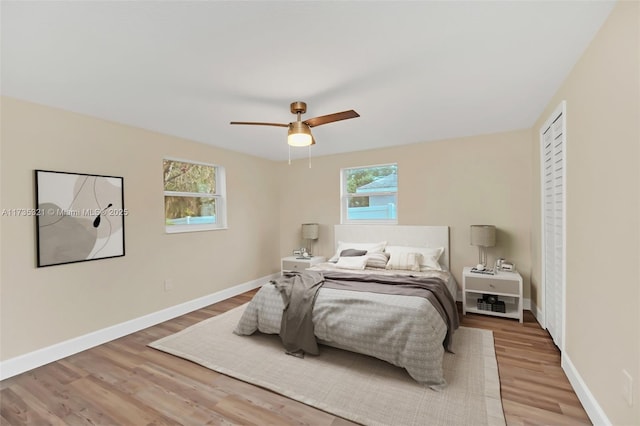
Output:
[[356, 387]]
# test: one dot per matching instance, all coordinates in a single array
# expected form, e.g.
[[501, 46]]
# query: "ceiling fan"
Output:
[[300, 131]]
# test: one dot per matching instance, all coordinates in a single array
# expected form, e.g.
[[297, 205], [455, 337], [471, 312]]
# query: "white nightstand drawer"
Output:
[[489, 284], [294, 265]]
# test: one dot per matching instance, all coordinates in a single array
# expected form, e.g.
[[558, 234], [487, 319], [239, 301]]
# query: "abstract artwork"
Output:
[[79, 217]]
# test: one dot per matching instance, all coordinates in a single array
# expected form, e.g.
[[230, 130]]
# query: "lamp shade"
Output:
[[483, 235], [310, 231]]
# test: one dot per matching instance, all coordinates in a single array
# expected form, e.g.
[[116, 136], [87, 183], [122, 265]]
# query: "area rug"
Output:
[[356, 387]]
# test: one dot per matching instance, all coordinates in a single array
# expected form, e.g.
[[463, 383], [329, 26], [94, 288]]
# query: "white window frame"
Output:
[[344, 198], [220, 196]]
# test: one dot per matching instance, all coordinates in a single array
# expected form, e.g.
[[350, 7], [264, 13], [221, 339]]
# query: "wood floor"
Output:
[[123, 382]]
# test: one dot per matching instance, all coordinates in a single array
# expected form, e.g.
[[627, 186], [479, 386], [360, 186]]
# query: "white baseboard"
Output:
[[590, 404], [594, 411], [31, 360], [537, 313]]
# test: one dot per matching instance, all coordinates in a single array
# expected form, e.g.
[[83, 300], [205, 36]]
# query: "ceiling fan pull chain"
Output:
[[289, 154], [309, 156]]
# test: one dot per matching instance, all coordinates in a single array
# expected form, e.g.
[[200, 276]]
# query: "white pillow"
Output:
[[369, 247], [404, 260], [352, 262], [428, 259], [430, 263]]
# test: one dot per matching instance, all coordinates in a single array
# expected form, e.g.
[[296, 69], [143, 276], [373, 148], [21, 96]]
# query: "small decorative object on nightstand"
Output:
[[498, 295], [297, 265]]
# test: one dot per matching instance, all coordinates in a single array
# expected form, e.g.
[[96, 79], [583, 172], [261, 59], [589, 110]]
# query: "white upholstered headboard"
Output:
[[397, 235]]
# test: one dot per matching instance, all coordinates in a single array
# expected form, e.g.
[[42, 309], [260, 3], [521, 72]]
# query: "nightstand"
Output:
[[293, 264], [502, 286]]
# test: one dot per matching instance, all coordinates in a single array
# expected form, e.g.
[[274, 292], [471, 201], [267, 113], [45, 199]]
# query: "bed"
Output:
[[409, 331]]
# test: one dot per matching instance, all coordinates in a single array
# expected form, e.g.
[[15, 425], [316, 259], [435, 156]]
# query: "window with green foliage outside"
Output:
[[370, 194], [193, 196]]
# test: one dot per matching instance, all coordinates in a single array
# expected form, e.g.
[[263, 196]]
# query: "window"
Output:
[[370, 194], [194, 196]]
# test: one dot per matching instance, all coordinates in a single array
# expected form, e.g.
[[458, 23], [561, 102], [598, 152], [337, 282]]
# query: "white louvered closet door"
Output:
[[553, 199]]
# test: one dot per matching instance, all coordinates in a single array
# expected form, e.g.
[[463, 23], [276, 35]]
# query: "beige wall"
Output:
[[482, 179], [43, 306], [603, 212], [459, 182]]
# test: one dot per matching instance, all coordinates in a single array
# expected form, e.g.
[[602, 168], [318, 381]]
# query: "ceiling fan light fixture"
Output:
[[299, 134]]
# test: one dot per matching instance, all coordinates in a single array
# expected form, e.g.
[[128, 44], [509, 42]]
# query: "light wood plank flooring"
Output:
[[123, 382]]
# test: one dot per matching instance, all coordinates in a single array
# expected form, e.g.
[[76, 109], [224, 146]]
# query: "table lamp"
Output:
[[483, 236], [309, 233]]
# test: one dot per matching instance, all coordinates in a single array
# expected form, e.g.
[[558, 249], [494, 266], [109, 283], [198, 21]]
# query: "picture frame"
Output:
[[79, 217]]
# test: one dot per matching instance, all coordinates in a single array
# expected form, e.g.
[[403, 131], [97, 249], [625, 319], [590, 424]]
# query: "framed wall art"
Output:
[[79, 217]]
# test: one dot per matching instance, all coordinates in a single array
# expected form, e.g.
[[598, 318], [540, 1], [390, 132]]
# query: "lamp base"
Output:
[[482, 256]]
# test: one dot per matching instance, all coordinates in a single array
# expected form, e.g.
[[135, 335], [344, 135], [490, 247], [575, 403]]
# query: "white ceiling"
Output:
[[415, 71]]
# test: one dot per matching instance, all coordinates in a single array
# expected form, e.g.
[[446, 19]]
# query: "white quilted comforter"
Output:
[[406, 331]]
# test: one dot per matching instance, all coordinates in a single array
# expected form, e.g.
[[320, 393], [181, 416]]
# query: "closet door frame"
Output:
[[561, 110]]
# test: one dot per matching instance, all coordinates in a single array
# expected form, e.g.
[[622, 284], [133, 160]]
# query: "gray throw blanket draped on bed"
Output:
[[298, 294]]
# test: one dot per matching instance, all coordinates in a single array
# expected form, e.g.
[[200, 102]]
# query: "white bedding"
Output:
[[406, 331]]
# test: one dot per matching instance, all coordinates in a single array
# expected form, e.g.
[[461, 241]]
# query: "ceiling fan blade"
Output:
[[325, 119], [254, 123]]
